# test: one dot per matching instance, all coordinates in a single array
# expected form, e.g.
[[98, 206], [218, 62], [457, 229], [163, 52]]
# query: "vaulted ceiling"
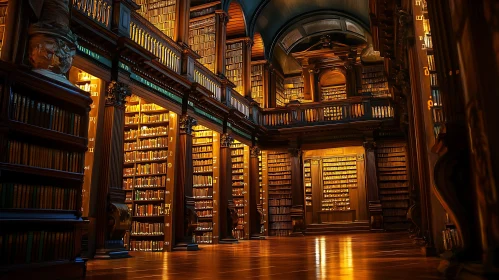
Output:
[[276, 19]]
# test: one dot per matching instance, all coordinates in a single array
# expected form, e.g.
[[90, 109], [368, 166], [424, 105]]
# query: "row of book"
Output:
[[336, 177], [204, 226], [341, 194], [143, 108], [336, 167], [237, 165], [204, 204], [280, 202], [31, 111], [238, 159], [146, 131], [138, 156], [44, 157], [368, 81], [139, 228], [279, 210], [201, 155], [203, 168], [238, 191], [327, 171], [160, 142], [205, 238], [144, 182], [150, 195], [14, 195], [202, 149], [203, 162], [202, 181], [203, 133], [376, 74], [202, 141], [146, 245], [148, 210], [333, 188], [203, 193], [35, 246], [208, 213]]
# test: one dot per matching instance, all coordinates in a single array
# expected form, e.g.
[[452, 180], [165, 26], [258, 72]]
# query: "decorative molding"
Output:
[[226, 140], [406, 26], [116, 94], [294, 152], [186, 123], [52, 45], [369, 145], [255, 151]]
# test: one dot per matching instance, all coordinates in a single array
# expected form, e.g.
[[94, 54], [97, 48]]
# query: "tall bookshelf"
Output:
[[279, 188], [3, 18], [374, 81], [234, 64], [240, 187], [145, 173], [280, 97], [202, 39], [257, 83], [44, 136], [293, 88], [204, 187], [264, 191], [336, 92], [339, 175], [307, 181], [393, 183], [161, 13]]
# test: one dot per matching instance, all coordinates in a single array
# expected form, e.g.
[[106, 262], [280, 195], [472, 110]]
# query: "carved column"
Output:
[[351, 78], [185, 214], [254, 196], [247, 67], [271, 87], [220, 37], [374, 204], [297, 192], [307, 77], [113, 217], [182, 22], [227, 212], [52, 45]]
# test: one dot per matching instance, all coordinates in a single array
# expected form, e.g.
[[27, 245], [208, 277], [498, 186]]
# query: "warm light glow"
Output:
[[346, 259]]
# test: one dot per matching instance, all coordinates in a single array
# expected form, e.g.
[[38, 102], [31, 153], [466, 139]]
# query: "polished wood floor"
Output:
[[347, 256]]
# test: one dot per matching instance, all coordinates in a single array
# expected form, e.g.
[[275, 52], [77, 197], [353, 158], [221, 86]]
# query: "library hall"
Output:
[[249, 139]]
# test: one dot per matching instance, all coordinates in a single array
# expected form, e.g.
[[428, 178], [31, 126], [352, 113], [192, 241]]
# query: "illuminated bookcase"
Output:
[[161, 13], [374, 81], [280, 97], [339, 174], [240, 187], [265, 193], [337, 92], [3, 18], [204, 156], [293, 88], [279, 188], [146, 148], [257, 83], [234, 64], [307, 181], [393, 184], [202, 39]]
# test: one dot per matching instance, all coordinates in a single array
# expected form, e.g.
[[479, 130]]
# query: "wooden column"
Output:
[[351, 78], [271, 87], [185, 215], [254, 195], [308, 92], [182, 22], [227, 213], [247, 67], [374, 204], [220, 38], [297, 192], [316, 189], [111, 197]]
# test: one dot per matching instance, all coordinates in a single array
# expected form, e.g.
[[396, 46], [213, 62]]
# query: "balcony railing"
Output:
[[98, 10], [350, 110], [240, 103], [152, 39], [207, 79]]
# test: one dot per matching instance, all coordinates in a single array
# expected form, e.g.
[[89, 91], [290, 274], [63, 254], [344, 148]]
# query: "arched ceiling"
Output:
[[270, 17]]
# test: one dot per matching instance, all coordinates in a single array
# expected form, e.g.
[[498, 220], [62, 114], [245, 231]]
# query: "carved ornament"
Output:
[[294, 152], [369, 145], [117, 92], [186, 124], [255, 151], [226, 140]]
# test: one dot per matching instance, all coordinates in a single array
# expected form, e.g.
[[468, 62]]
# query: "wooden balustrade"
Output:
[[207, 79], [349, 110], [152, 39], [240, 103], [98, 10]]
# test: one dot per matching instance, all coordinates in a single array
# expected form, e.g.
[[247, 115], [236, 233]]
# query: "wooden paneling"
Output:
[[236, 27]]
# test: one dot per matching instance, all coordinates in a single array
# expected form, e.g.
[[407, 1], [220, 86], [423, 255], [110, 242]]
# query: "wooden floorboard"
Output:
[[345, 256]]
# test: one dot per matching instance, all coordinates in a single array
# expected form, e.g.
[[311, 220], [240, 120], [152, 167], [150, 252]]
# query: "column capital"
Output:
[[255, 151], [294, 152], [226, 140], [369, 145], [222, 16], [116, 94], [186, 123]]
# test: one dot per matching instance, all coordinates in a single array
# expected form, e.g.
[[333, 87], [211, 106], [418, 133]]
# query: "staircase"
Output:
[[337, 227]]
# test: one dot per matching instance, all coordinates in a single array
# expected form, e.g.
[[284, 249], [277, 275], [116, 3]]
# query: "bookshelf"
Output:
[[337, 92], [280, 97], [293, 88], [257, 83], [307, 181], [3, 18], [202, 39], [279, 192], [145, 173], [44, 135], [161, 13], [204, 182], [391, 160], [234, 65], [93, 86], [374, 81], [339, 174], [265, 192], [240, 187]]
